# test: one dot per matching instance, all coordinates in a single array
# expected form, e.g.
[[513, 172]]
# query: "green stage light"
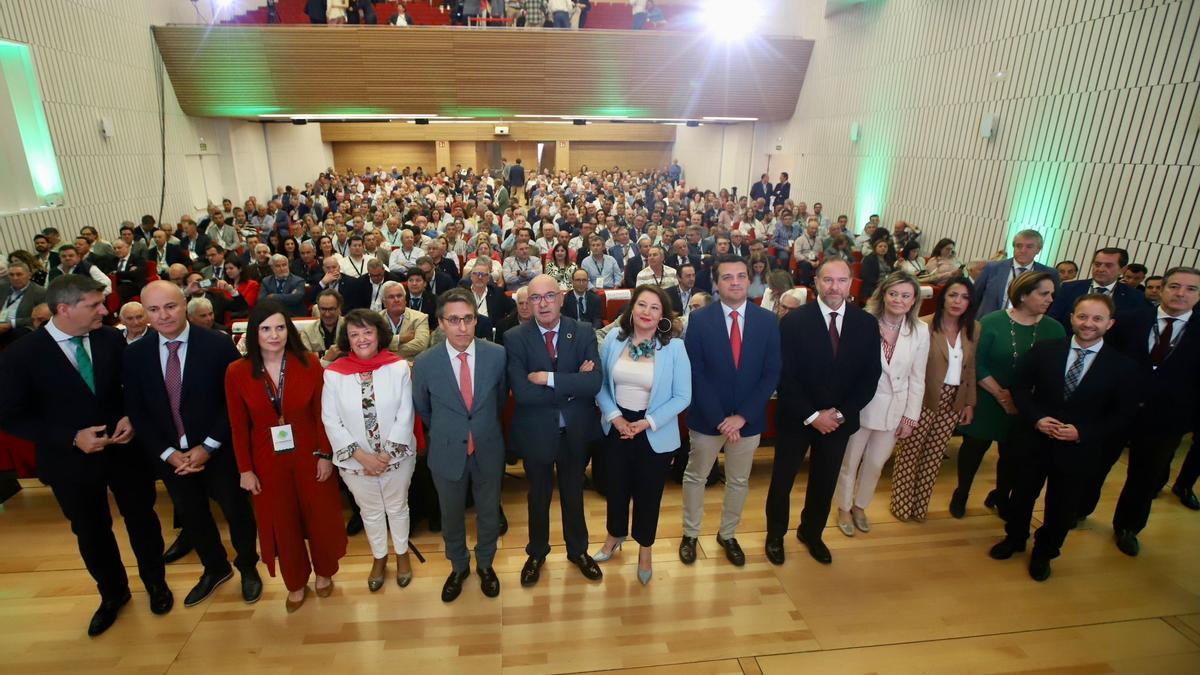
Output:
[[16, 62]]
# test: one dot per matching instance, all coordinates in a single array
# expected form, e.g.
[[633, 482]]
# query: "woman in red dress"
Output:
[[274, 398]]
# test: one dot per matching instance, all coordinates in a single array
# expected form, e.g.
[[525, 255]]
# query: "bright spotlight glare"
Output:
[[732, 19]]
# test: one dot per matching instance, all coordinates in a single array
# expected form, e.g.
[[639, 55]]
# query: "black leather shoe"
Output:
[[1005, 550], [775, 551], [489, 583], [992, 501], [503, 522], [106, 614], [205, 587], [817, 549], [354, 525], [532, 571], [251, 586], [1187, 497], [179, 548], [687, 550], [161, 599], [958, 504], [453, 586], [1127, 542], [732, 551], [587, 566], [1039, 568]]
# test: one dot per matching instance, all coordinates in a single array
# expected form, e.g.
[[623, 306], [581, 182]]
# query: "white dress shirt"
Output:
[[1088, 359], [456, 364], [164, 353], [826, 311], [64, 342], [954, 361], [741, 310]]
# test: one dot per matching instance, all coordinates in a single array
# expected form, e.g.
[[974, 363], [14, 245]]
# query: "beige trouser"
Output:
[[739, 458]]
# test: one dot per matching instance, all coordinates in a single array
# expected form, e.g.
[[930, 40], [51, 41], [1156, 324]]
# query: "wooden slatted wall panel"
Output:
[[1097, 136], [93, 60], [237, 71], [358, 155]]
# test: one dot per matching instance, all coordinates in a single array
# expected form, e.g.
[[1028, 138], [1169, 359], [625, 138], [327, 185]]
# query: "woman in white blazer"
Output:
[[894, 411], [367, 410]]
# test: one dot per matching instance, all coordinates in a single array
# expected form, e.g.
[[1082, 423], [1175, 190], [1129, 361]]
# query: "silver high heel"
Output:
[[600, 556], [644, 576]]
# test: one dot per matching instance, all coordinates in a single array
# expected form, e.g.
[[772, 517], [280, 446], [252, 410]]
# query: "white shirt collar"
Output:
[[57, 333], [454, 352], [1108, 288], [554, 328], [182, 337], [740, 309], [1016, 265], [1095, 349], [1182, 318], [826, 311]]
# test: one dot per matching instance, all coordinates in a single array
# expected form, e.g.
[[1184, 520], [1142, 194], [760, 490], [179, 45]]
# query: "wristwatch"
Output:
[[837, 415]]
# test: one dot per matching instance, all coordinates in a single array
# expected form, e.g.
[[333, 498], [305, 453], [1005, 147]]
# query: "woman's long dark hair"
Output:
[[295, 345], [966, 323], [625, 321]]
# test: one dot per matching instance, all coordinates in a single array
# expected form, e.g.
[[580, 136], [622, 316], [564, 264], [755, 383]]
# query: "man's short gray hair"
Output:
[[69, 289], [196, 304], [1029, 234], [278, 257]]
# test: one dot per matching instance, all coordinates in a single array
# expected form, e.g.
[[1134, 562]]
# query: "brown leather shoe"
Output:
[[293, 606], [325, 591]]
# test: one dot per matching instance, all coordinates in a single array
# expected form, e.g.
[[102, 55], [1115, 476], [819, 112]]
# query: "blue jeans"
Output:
[[562, 19], [639, 21]]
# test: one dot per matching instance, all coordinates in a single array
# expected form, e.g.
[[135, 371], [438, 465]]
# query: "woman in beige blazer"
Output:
[[949, 400], [896, 407]]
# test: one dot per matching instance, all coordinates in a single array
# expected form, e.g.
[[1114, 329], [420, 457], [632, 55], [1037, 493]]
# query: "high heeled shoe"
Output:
[[644, 575], [600, 556], [375, 579], [403, 579]]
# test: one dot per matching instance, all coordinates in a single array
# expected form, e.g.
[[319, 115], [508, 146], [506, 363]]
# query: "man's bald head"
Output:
[[166, 308]]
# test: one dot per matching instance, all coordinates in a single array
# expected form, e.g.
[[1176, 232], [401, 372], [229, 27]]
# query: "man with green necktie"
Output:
[[63, 392]]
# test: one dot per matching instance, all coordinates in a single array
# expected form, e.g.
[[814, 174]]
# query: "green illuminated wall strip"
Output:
[[17, 64]]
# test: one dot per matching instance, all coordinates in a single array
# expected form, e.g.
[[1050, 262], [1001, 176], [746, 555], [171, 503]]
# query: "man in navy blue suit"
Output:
[[762, 189], [1108, 264], [991, 288], [734, 349]]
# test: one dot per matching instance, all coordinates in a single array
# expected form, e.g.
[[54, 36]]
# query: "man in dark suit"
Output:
[[105, 263], [830, 370], [17, 300], [163, 254], [520, 314], [681, 294], [194, 243], [734, 349], [489, 300], [553, 367], [356, 293], [1164, 342], [1107, 266], [459, 391], [782, 191], [63, 392], [762, 189], [582, 304], [681, 255], [991, 288], [129, 271], [1072, 394], [637, 263], [516, 179], [175, 394], [282, 286], [421, 298]]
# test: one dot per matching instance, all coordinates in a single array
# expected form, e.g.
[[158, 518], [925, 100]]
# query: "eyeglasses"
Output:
[[459, 321], [548, 297]]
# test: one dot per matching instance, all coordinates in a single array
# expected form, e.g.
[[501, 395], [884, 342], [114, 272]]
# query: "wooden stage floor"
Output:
[[906, 598]]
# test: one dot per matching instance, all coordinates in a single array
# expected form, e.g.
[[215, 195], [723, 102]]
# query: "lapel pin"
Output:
[[570, 336]]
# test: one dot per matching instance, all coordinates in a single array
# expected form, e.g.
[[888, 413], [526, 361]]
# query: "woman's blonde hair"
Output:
[[875, 304]]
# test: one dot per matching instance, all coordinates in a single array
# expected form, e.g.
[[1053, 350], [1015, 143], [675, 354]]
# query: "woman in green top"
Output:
[[1004, 337]]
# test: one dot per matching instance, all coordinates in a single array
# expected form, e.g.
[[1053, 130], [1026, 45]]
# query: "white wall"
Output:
[[296, 153], [715, 156], [1097, 137], [94, 60]]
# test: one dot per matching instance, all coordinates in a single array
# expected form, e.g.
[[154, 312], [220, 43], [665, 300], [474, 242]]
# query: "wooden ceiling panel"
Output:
[[246, 71]]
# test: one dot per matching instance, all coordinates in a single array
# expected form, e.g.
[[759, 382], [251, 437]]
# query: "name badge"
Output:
[[281, 438]]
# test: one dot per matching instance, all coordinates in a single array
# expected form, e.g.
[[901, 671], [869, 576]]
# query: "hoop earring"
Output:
[[664, 328]]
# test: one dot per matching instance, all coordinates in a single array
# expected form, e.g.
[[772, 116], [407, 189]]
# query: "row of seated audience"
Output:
[[498, 13], [416, 347]]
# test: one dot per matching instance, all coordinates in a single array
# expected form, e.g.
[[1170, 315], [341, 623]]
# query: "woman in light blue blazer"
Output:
[[647, 383]]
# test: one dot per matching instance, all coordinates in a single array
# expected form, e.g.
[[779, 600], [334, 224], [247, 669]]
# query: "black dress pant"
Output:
[[635, 472], [1149, 456], [970, 456], [85, 504], [1190, 471], [1063, 469], [568, 464], [1097, 471], [219, 482], [824, 466]]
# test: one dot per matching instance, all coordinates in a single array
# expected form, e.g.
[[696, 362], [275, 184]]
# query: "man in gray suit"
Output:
[[991, 288], [283, 286], [17, 300], [459, 390]]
